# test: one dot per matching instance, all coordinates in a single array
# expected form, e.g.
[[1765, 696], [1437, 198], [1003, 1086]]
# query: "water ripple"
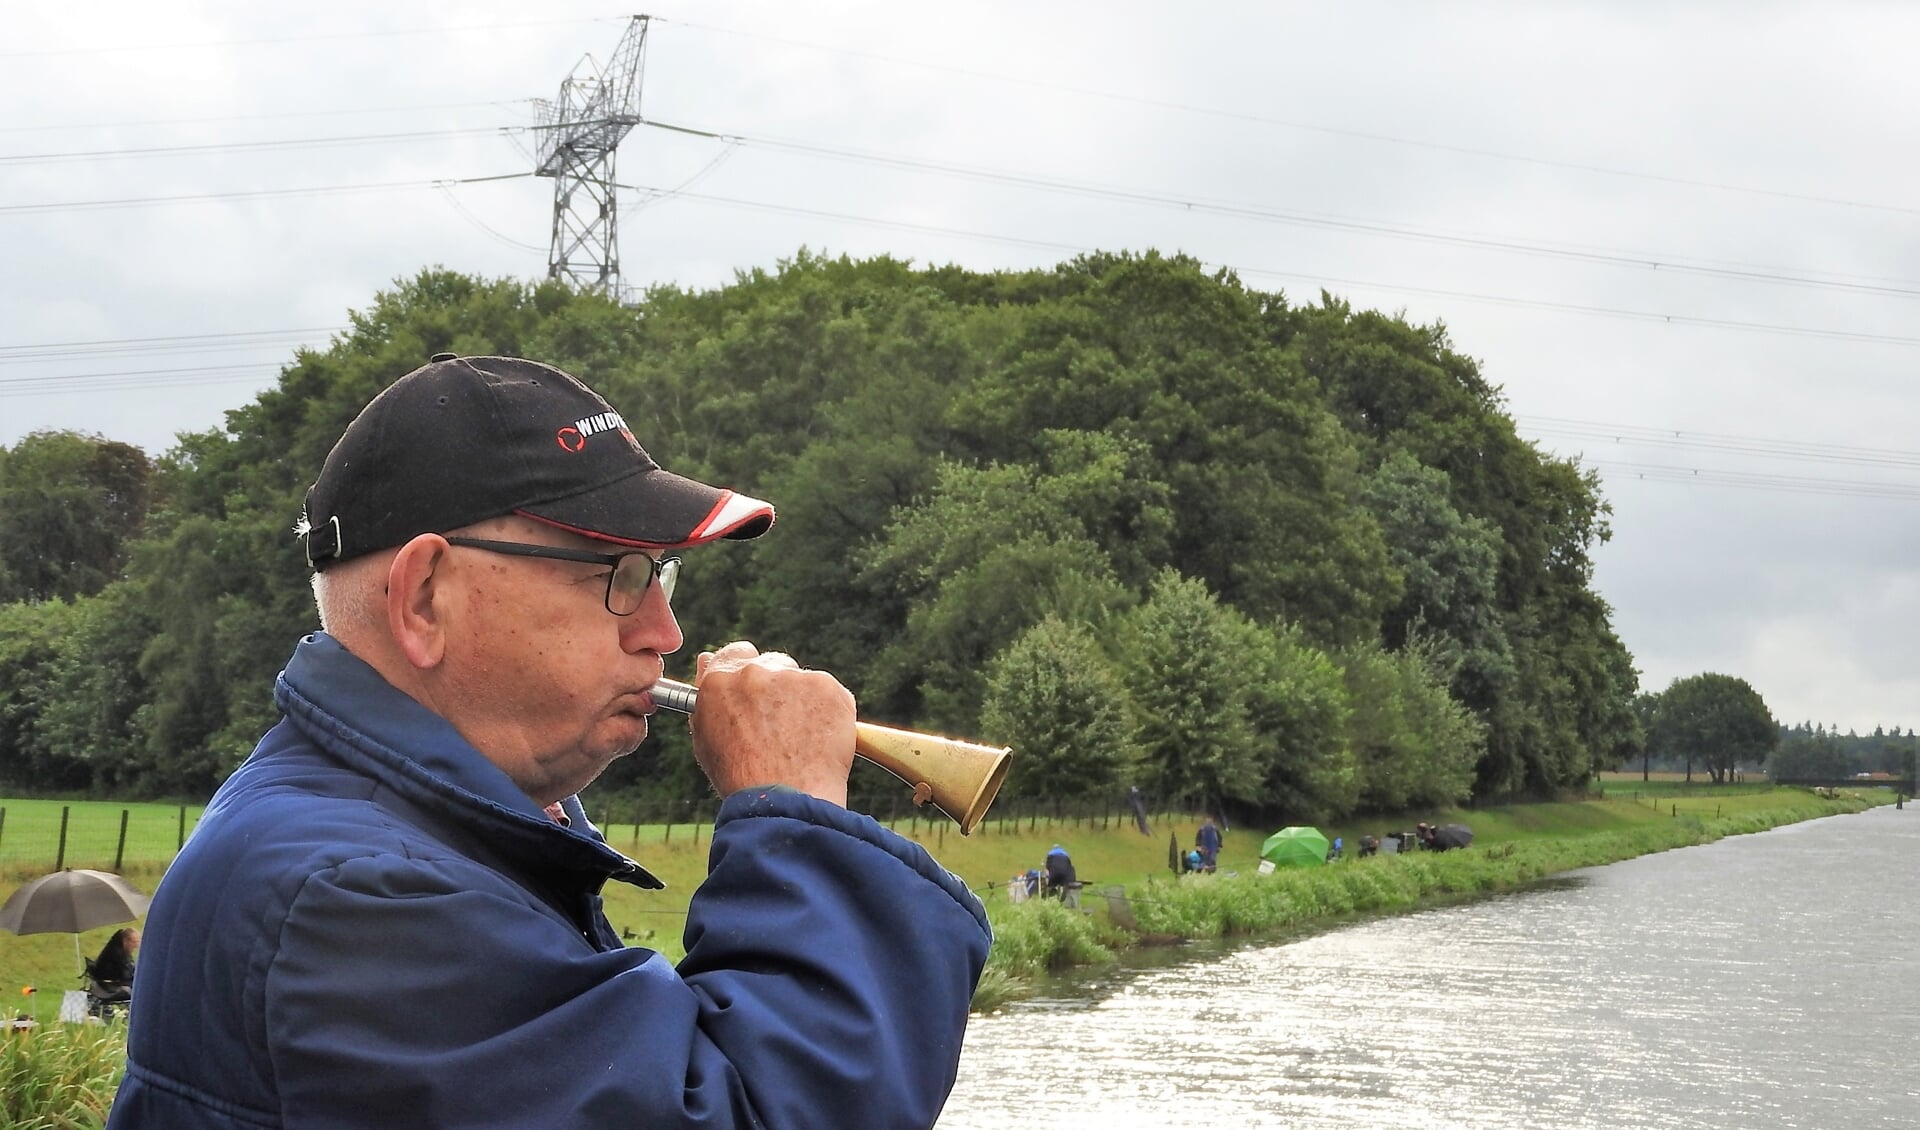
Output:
[[1763, 981]]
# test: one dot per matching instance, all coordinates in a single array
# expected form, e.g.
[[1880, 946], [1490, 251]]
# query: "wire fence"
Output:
[[670, 821], [101, 835], [44, 835]]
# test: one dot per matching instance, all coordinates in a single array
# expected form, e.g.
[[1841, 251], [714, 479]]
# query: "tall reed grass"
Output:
[[60, 1076]]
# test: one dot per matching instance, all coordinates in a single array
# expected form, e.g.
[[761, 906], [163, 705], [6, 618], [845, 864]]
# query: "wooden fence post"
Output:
[[120, 852]]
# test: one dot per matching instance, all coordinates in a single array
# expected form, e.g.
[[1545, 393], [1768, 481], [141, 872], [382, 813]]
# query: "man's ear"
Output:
[[417, 592]]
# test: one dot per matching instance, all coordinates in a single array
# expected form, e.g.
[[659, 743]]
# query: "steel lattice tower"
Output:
[[578, 133]]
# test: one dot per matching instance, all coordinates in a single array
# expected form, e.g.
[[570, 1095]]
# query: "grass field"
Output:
[[1104, 852], [30, 833]]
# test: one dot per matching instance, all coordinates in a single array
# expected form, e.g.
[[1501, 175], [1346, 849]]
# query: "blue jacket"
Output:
[[372, 926]]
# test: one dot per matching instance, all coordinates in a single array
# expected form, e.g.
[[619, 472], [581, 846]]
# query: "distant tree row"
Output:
[[1719, 725], [1810, 750], [1147, 525]]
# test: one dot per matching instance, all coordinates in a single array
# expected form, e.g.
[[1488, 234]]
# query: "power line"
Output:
[[1598, 311], [1718, 442], [1751, 273], [174, 343], [450, 29], [74, 127], [1636, 260], [1283, 123], [1847, 488], [244, 194], [1020, 80], [236, 146], [466, 213], [656, 194], [727, 150], [137, 379]]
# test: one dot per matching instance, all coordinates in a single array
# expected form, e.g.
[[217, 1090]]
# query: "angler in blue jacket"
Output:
[[390, 914]]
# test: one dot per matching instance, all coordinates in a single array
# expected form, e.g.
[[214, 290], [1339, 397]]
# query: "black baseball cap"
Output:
[[463, 439]]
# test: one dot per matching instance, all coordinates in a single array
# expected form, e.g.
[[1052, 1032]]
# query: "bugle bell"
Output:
[[957, 777]]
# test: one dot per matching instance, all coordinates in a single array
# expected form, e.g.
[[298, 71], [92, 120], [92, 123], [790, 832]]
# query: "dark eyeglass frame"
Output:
[[666, 570]]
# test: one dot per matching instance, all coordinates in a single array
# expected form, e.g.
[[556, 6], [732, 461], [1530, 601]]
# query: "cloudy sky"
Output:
[[1681, 236]]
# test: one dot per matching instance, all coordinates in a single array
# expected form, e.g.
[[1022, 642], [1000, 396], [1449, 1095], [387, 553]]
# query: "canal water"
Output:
[[1767, 980]]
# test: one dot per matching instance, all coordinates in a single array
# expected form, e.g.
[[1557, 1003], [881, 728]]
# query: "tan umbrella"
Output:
[[71, 902]]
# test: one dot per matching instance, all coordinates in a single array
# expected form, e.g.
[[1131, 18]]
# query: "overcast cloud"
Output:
[[1682, 237]]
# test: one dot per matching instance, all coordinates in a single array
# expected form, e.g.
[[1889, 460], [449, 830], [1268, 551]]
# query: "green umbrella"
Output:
[[1295, 847]]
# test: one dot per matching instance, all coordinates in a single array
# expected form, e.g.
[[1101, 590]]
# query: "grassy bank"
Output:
[[1513, 847]]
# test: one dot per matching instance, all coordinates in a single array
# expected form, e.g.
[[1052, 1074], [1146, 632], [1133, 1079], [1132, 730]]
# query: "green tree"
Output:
[[994, 550], [69, 506], [1646, 707], [1231, 712], [1183, 672], [1416, 745], [1299, 707], [1052, 696], [32, 638], [1397, 387], [1157, 352], [1719, 720], [95, 693], [957, 456], [1449, 576]]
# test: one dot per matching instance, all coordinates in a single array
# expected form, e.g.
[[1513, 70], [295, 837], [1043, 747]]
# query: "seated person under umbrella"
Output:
[[113, 969]]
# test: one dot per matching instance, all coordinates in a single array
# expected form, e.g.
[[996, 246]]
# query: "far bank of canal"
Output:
[[1514, 848]]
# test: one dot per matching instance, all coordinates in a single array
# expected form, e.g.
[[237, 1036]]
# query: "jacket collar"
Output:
[[347, 708]]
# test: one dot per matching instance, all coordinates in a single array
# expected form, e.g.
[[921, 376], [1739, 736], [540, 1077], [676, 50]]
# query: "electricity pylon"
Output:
[[578, 133]]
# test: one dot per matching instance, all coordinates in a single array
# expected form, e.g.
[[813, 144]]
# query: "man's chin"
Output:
[[582, 774], [625, 732]]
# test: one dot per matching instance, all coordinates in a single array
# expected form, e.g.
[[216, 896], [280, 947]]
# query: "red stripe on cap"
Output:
[[730, 513], [596, 535]]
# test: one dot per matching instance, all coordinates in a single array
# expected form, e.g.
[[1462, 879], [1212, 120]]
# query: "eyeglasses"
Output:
[[626, 584]]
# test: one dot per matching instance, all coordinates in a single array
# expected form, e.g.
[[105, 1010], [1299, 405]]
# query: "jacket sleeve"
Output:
[[843, 950], [829, 969]]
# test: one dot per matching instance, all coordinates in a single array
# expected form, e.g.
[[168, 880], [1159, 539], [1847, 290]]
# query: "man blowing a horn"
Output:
[[390, 914]]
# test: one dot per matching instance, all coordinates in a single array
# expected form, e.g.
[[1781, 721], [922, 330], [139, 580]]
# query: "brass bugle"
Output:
[[958, 778]]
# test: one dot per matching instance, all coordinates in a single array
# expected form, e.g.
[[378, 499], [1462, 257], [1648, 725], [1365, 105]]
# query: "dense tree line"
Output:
[[1145, 524], [1818, 750]]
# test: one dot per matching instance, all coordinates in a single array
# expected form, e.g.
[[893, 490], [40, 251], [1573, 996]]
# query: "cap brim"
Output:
[[656, 509]]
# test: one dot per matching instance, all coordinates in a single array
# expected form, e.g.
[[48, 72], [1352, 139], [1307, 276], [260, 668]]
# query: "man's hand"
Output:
[[763, 720]]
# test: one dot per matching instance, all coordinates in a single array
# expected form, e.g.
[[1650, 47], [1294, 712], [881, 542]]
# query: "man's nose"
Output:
[[652, 626]]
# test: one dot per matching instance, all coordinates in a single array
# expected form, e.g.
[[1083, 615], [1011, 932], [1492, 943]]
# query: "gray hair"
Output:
[[348, 595]]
